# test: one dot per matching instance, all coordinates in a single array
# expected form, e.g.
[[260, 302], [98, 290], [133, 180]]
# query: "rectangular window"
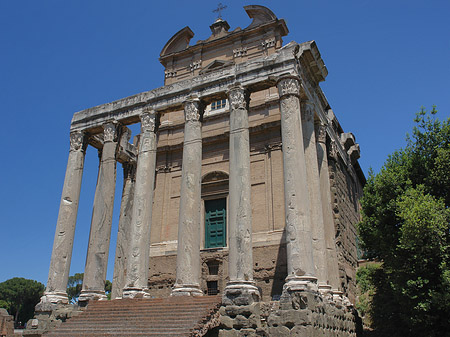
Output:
[[218, 104], [213, 289], [215, 223]]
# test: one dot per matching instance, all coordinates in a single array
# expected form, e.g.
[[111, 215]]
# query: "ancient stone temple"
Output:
[[240, 184]]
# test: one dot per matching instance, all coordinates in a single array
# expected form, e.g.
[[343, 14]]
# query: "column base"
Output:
[[240, 293], [135, 293], [325, 289], [186, 290], [300, 283], [55, 297], [91, 295]]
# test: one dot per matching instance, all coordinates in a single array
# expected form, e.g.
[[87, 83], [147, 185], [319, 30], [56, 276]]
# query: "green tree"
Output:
[[74, 287], [406, 225], [20, 296], [75, 284]]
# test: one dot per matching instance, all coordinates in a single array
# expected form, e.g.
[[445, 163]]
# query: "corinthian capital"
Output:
[[110, 131], [288, 86], [192, 110], [238, 97], [321, 133], [77, 141], [148, 120]]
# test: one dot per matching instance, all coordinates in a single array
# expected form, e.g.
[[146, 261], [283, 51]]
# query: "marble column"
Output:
[[123, 235], [325, 194], [100, 234], [58, 275], [241, 288], [300, 263], [136, 284], [312, 173], [188, 252]]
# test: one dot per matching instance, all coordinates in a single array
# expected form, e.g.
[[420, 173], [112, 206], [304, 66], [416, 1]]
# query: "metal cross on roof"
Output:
[[218, 10]]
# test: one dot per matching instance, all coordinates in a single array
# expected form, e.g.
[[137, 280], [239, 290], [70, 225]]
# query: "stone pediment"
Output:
[[259, 14], [178, 42], [216, 65]]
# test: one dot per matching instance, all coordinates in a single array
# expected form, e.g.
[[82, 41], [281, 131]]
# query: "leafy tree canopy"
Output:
[[75, 284], [406, 224], [19, 296]]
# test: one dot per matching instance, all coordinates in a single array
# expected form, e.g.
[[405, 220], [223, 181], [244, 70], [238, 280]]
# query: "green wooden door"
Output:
[[215, 223]]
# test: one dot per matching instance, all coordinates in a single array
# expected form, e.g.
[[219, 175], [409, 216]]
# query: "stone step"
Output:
[[175, 316]]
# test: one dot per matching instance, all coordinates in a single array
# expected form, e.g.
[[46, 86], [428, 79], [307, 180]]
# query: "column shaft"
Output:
[[188, 252], [312, 172], [297, 204], [136, 284], [325, 194], [240, 215], [123, 235], [65, 227], [100, 234]]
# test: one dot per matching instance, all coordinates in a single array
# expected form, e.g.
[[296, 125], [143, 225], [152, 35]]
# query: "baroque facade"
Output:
[[241, 183]]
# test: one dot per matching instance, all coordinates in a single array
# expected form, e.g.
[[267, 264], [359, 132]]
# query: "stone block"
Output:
[[280, 331], [301, 331], [228, 333]]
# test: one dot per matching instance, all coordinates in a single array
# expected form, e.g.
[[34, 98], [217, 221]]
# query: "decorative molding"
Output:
[[110, 131], [237, 96], [268, 43], [192, 110], [288, 86], [239, 52], [169, 74], [148, 121], [195, 65], [77, 141]]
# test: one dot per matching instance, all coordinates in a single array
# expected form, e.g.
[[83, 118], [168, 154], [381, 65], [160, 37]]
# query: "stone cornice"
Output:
[[256, 74]]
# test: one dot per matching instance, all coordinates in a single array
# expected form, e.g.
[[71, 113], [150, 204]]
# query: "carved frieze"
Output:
[[77, 141], [110, 131], [192, 110], [288, 86], [237, 97]]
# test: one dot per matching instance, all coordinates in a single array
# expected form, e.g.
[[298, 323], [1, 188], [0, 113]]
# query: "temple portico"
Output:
[[233, 186]]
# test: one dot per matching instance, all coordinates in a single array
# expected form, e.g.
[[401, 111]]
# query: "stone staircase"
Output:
[[173, 316]]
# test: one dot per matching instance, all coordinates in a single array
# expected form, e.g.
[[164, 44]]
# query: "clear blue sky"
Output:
[[385, 60]]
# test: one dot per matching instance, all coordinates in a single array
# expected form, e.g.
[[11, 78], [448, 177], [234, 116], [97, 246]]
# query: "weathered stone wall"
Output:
[[301, 314], [269, 263], [6, 323], [346, 191]]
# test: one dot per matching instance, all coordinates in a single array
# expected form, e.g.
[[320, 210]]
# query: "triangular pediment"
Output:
[[216, 65]]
